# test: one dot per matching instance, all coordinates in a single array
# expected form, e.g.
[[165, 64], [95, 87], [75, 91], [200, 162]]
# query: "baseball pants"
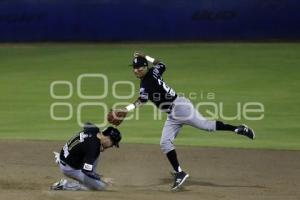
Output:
[[183, 113], [84, 181]]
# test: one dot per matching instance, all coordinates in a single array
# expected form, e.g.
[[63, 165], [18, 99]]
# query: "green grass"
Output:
[[234, 72]]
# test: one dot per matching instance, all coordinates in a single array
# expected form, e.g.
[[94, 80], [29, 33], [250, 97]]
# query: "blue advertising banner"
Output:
[[148, 20]]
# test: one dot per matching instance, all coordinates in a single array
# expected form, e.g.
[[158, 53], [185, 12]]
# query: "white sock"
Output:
[[179, 169]]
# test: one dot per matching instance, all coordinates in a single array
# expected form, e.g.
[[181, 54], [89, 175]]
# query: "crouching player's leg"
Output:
[[83, 180]]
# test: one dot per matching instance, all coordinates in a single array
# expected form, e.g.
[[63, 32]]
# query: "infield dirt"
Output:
[[142, 172]]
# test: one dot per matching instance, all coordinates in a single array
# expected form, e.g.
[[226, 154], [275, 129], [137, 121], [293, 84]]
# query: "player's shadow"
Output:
[[191, 182]]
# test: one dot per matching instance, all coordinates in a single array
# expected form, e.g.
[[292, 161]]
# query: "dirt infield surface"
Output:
[[142, 172]]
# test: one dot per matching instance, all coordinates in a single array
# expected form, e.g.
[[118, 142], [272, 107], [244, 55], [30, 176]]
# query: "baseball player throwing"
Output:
[[179, 109], [78, 158]]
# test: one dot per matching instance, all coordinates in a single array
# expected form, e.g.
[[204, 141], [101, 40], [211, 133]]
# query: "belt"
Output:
[[169, 110], [63, 163]]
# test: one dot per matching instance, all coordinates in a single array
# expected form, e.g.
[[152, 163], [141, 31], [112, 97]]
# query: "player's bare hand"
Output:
[[108, 181], [139, 54]]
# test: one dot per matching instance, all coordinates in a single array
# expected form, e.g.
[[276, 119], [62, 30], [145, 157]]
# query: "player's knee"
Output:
[[207, 125], [166, 146]]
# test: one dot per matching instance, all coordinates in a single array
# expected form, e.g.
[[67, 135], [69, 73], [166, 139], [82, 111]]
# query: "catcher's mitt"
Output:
[[116, 117]]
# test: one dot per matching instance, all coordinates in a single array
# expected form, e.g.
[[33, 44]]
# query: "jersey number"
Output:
[[169, 90], [73, 142]]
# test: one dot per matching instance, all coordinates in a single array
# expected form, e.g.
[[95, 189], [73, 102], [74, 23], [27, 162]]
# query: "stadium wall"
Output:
[[148, 20]]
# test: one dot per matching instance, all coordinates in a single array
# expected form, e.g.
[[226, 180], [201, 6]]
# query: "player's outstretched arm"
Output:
[[134, 105], [148, 58], [117, 116]]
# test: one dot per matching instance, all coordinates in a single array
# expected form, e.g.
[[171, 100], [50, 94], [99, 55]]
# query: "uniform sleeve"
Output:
[[143, 95], [91, 155], [160, 68]]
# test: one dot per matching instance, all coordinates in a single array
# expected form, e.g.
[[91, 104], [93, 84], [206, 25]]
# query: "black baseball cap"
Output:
[[114, 135], [139, 62]]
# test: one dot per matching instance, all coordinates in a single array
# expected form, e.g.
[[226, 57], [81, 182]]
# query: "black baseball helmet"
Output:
[[114, 135], [139, 62]]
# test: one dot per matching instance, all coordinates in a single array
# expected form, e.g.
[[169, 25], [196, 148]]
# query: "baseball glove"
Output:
[[116, 117]]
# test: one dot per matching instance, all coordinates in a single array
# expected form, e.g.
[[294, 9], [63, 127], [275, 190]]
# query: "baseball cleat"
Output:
[[59, 185], [246, 131], [179, 179]]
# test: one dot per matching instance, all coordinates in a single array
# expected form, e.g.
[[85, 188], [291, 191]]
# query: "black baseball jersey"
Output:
[[81, 151], [154, 88]]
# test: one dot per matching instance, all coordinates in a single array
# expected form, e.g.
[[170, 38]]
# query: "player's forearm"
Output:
[[91, 174], [148, 58], [134, 105], [152, 60]]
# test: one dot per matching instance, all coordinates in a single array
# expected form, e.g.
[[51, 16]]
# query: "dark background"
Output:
[[148, 20]]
